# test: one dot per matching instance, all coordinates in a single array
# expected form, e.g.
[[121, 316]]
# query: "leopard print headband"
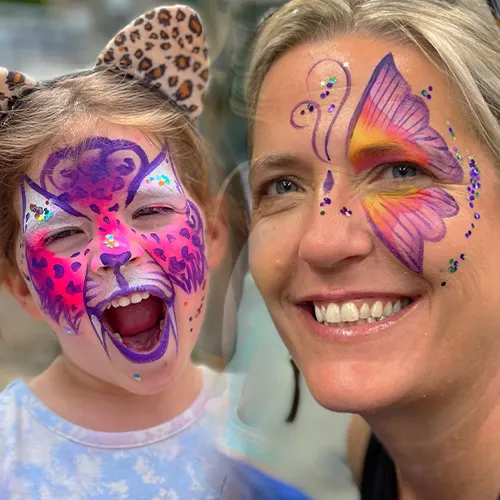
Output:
[[164, 48]]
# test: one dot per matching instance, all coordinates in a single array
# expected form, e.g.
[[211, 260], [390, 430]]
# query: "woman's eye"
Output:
[[282, 186], [148, 211], [402, 171], [61, 235]]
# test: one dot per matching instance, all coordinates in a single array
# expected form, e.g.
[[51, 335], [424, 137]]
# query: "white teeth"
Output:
[[377, 309], [332, 313], [364, 312], [388, 309], [319, 314], [349, 312], [145, 295], [118, 337], [124, 301], [115, 303], [136, 298]]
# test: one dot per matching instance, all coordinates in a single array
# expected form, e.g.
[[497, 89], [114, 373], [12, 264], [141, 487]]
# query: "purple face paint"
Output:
[[311, 113], [80, 259]]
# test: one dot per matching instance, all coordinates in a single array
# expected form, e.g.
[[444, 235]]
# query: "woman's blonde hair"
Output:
[[460, 36], [64, 108]]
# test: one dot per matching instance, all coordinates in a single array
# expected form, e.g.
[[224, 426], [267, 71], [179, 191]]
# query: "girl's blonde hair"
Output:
[[459, 36], [61, 109]]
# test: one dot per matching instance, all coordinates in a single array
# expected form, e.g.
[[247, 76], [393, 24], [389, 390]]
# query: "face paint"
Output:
[[85, 256], [310, 113], [327, 187], [390, 121]]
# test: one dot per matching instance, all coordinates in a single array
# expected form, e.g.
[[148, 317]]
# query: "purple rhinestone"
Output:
[[321, 204], [428, 96], [322, 96], [473, 225], [430, 89], [329, 85], [477, 216], [331, 108], [471, 198], [469, 188], [462, 256], [328, 201], [302, 112], [327, 93], [478, 186], [310, 107], [467, 235], [471, 205]]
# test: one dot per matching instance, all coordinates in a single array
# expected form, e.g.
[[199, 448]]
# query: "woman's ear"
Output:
[[16, 285], [216, 235]]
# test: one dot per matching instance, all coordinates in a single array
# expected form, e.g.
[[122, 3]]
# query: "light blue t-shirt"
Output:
[[43, 457]]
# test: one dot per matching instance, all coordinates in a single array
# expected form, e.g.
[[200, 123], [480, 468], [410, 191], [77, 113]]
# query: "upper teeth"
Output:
[[349, 312], [135, 298]]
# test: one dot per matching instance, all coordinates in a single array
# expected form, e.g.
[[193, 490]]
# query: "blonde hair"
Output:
[[460, 36], [61, 109]]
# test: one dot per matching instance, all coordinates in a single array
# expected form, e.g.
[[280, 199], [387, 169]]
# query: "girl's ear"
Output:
[[216, 236], [16, 285]]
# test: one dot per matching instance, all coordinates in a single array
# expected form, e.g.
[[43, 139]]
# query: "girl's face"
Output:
[[375, 226], [114, 252]]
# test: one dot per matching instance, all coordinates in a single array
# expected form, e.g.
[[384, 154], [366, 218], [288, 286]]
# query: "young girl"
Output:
[[109, 234]]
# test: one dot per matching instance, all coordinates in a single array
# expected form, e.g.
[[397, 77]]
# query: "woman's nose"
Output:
[[333, 234]]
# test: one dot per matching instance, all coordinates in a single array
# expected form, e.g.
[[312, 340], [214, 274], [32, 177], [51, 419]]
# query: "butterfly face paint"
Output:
[[322, 116], [119, 226], [392, 120]]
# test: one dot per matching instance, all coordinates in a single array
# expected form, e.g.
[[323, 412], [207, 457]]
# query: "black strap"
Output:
[[379, 480]]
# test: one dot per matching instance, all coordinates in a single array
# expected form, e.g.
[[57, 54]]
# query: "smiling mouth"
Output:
[[137, 321], [356, 313]]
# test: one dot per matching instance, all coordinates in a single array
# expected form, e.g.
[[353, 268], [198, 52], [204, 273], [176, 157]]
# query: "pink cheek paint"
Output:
[[388, 114], [58, 283]]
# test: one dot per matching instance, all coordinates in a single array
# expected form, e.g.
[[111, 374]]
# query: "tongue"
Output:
[[135, 318]]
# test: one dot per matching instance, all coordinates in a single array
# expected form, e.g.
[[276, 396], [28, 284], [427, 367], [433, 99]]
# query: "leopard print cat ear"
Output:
[[165, 48], [13, 85]]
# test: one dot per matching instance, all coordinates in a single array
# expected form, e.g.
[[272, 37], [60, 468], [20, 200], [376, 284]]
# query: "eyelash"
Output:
[[148, 211], [61, 235], [385, 167]]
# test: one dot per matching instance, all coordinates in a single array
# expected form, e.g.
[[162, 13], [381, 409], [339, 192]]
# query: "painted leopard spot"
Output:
[[145, 64], [166, 46], [164, 35], [138, 53], [134, 36], [180, 16], [15, 79], [148, 26], [125, 61], [120, 39], [182, 62], [204, 75], [173, 81], [150, 14], [164, 17], [157, 72], [175, 33], [196, 66], [184, 91], [195, 25]]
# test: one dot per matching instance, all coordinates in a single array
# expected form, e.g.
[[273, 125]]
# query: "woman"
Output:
[[375, 140]]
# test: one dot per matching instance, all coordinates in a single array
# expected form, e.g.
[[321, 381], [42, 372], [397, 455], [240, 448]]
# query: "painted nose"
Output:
[[115, 261]]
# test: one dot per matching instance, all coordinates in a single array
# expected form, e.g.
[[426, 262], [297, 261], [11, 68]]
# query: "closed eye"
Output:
[[61, 235], [148, 211]]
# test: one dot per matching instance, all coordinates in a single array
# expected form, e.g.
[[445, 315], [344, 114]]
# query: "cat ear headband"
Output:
[[495, 8], [165, 49]]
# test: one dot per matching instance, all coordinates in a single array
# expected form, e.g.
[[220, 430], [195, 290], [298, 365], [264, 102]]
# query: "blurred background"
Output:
[[48, 38]]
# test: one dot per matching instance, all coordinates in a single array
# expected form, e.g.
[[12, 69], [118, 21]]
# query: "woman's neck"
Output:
[[96, 405], [448, 448]]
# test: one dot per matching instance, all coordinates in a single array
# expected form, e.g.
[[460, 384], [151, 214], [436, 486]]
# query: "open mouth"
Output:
[[136, 321], [358, 312]]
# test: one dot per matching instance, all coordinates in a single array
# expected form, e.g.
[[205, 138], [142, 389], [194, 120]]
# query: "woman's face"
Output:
[[114, 253], [374, 235]]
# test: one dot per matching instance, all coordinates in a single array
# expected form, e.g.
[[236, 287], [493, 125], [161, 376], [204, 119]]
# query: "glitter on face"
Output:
[[41, 213], [67, 331], [346, 212], [137, 377], [426, 93], [110, 242], [161, 179]]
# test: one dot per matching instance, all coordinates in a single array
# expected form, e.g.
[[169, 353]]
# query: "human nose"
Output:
[[117, 258], [334, 234]]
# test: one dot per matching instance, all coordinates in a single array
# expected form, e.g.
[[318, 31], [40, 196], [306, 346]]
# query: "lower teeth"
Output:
[[118, 337]]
